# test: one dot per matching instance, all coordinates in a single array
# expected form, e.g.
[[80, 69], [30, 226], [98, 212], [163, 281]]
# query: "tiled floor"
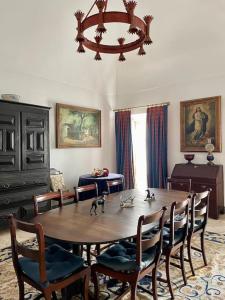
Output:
[[217, 226]]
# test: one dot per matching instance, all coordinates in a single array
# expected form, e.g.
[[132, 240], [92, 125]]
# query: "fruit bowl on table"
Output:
[[100, 172]]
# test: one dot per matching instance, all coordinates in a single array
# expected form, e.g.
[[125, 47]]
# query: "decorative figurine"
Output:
[[129, 202], [96, 203], [149, 196]]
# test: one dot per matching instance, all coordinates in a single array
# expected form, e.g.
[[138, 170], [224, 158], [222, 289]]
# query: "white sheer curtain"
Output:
[[138, 122]]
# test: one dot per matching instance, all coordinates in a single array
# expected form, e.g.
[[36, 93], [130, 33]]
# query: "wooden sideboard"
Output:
[[203, 177]]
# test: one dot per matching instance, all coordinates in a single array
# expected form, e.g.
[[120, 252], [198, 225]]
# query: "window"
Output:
[[138, 122]]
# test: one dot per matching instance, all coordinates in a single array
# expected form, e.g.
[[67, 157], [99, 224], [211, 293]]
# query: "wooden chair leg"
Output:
[[64, 293], [123, 288], [182, 264], [168, 275], [96, 285], [98, 249], [89, 255], [203, 248], [54, 297], [189, 255], [86, 288], [154, 284], [47, 295], [21, 289], [133, 291]]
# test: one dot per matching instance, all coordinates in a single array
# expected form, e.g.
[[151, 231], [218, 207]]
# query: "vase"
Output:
[[189, 158]]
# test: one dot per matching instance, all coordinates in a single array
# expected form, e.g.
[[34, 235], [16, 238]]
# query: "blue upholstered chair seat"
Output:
[[122, 257], [198, 224], [59, 264], [51, 241], [166, 234], [178, 236]]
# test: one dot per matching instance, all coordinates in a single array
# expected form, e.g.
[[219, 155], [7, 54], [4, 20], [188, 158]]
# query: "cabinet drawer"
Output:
[[180, 186], [201, 187]]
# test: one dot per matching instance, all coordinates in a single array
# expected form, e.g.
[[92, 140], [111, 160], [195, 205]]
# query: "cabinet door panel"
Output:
[[9, 139], [35, 140]]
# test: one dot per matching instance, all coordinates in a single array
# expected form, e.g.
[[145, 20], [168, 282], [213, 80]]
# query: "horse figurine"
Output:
[[98, 202], [149, 196]]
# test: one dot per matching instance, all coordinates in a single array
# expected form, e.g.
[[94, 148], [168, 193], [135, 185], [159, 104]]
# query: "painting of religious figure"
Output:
[[200, 124], [77, 126]]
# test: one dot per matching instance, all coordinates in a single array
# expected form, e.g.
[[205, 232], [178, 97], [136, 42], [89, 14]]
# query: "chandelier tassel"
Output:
[[130, 6], [141, 50], [101, 27], [81, 48], [98, 39], [121, 42], [125, 4], [98, 56], [122, 57], [79, 16], [148, 20]]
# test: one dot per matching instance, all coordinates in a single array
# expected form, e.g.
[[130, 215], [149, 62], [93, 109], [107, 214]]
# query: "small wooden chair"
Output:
[[198, 222], [46, 269], [86, 188], [130, 262], [117, 185], [181, 184], [174, 238], [48, 197], [78, 192]]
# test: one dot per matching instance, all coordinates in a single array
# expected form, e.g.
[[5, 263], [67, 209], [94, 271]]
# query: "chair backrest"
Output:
[[19, 249], [118, 184], [86, 188], [179, 220], [155, 238], [200, 208], [57, 182], [183, 184], [47, 197], [59, 196]]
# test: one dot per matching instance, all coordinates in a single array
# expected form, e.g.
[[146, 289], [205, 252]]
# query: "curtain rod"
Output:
[[141, 106]]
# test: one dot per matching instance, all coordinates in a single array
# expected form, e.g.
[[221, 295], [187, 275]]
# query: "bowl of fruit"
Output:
[[100, 172]]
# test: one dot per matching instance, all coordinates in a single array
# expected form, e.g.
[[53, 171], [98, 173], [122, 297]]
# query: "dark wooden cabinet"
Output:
[[24, 155], [202, 178]]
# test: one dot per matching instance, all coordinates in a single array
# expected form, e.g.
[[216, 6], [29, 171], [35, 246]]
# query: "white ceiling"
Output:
[[37, 38]]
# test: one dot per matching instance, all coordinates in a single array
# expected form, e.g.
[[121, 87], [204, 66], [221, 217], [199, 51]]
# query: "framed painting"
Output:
[[200, 120], [77, 126]]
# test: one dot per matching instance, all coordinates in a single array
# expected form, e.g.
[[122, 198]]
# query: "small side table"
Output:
[[101, 182]]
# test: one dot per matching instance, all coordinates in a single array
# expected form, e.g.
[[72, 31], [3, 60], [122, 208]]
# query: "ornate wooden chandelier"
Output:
[[137, 26]]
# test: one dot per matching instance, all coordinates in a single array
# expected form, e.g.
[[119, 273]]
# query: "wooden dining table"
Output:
[[73, 223]]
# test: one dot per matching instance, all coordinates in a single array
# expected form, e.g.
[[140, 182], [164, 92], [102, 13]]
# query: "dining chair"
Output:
[[130, 262], [46, 269], [84, 189], [181, 184], [174, 238], [115, 185], [78, 192], [46, 199], [198, 221]]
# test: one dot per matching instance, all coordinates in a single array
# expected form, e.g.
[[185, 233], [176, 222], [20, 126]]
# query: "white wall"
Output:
[[174, 94], [75, 161], [39, 62]]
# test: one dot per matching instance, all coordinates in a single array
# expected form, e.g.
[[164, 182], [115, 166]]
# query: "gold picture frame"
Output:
[[200, 120], [78, 127]]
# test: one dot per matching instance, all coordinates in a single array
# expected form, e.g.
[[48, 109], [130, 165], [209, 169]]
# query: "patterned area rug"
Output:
[[209, 282]]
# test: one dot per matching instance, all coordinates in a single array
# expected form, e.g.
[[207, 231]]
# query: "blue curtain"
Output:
[[124, 147], [156, 140]]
